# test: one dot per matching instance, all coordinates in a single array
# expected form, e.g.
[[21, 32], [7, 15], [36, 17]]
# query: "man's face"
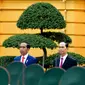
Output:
[[23, 49], [62, 48]]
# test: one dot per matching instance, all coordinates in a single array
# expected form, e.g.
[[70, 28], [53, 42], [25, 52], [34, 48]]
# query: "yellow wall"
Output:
[[72, 10]]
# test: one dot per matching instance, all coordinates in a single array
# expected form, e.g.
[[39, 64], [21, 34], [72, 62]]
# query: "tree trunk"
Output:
[[44, 50], [44, 56], [41, 31]]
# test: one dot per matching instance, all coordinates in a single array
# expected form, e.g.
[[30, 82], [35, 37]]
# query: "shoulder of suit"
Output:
[[31, 56], [57, 58], [17, 58], [71, 58]]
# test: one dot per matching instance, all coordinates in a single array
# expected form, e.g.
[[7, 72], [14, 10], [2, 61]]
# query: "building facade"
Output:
[[72, 10]]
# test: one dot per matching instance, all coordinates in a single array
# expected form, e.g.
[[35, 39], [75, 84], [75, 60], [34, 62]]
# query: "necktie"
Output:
[[23, 59], [61, 63]]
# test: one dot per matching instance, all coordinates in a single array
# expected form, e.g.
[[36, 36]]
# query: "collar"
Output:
[[25, 56], [64, 57]]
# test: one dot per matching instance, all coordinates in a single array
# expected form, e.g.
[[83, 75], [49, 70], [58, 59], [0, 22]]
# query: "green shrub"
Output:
[[80, 59], [5, 60]]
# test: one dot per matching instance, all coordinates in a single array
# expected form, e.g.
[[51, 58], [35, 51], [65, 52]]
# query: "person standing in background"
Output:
[[25, 58], [64, 60]]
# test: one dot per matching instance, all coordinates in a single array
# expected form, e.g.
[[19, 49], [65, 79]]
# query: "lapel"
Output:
[[65, 62], [19, 58], [27, 59], [57, 62]]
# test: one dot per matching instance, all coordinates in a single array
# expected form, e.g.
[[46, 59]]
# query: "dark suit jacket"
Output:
[[69, 62], [29, 60]]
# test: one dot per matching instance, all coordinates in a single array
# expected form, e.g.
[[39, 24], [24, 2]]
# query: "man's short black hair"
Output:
[[66, 45], [28, 46]]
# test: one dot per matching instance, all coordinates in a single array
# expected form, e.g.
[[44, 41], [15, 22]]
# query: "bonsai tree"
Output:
[[40, 16]]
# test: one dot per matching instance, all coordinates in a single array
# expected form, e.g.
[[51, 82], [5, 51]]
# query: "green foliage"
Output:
[[41, 15], [35, 41], [5, 60], [58, 37], [37, 16], [80, 59]]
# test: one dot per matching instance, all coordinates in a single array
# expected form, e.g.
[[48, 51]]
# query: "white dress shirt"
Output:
[[64, 58], [25, 57]]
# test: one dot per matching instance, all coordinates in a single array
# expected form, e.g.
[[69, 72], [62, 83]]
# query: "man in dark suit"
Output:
[[25, 58], [64, 61]]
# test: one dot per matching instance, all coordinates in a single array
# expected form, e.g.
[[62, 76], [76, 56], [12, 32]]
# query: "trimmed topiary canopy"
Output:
[[57, 36], [42, 16], [35, 41]]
